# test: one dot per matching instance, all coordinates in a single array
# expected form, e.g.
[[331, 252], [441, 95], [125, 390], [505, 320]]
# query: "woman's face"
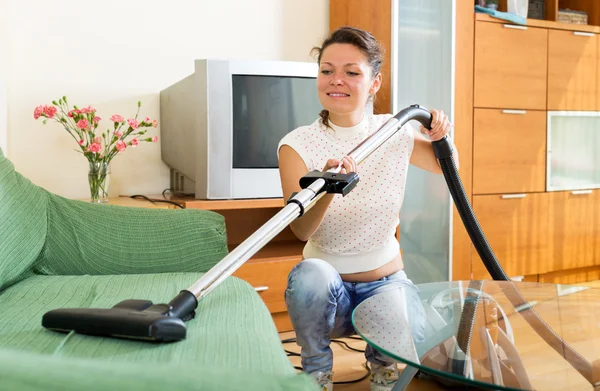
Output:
[[345, 79]]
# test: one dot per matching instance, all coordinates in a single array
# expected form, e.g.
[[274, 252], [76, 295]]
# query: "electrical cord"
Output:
[[154, 200], [176, 193], [294, 354]]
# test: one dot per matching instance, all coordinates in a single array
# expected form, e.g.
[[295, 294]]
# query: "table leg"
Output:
[[405, 377]]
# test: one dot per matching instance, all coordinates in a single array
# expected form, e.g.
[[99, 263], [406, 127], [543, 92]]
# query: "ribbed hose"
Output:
[[443, 152], [470, 221]]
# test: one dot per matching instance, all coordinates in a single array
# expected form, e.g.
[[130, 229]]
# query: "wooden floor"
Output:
[[349, 365]]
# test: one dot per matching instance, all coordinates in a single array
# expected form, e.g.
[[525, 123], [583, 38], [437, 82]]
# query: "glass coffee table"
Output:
[[500, 335]]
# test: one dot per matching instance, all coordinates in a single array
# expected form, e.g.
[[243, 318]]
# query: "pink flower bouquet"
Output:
[[98, 146]]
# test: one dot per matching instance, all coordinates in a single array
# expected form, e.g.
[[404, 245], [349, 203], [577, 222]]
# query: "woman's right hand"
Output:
[[348, 165]]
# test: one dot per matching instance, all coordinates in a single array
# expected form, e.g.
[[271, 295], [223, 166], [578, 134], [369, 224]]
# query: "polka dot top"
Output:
[[358, 231]]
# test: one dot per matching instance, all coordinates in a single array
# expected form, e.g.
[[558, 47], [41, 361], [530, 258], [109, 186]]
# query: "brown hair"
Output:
[[363, 40]]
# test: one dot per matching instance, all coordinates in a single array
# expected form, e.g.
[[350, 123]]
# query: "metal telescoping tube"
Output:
[[244, 251], [388, 129], [370, 144]]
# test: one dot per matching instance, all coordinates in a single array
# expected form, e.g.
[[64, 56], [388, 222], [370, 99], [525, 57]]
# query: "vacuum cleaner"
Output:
[[143, 320]]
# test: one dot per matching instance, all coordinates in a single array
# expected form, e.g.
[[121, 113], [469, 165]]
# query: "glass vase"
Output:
[[99, 180]]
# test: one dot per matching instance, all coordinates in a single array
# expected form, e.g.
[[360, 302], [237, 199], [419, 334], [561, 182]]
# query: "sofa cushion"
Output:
[[232, 327], [22, 223]]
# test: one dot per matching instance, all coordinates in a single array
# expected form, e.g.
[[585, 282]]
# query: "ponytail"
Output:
[[324, 114]]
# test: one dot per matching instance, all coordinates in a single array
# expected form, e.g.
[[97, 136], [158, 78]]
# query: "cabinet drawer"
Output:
[[576, 241], [518, 228], [509, 151], [572, 71], [269, 279], [510, 66]]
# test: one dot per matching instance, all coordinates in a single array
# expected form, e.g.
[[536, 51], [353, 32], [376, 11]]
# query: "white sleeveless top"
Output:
[[358, 231]]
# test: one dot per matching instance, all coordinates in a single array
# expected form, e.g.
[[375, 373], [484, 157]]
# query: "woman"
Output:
[[351, 251]]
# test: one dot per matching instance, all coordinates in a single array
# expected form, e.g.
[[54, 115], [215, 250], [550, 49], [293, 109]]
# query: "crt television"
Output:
[[221, 125]]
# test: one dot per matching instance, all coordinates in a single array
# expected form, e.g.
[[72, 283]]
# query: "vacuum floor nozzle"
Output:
[[131, 319]]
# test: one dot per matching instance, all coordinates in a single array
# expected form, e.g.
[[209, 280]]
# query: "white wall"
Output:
[[112, 53]]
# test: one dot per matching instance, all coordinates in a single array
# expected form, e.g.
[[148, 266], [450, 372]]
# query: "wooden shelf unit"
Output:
[[546, 236], [230, 204], [591, 7], [547, 24]]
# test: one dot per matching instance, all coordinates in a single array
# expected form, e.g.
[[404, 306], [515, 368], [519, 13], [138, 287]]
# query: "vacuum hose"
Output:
[[443, 152]]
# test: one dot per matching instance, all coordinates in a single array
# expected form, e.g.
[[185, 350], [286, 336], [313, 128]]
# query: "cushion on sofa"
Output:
[[231, 344], [22, 223], [95, 239], [232, 326]]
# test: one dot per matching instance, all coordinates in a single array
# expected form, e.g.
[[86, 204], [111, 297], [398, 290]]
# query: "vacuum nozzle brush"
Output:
[[132, 319]]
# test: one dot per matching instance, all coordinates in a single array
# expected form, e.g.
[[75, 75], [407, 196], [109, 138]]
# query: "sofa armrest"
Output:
[[86, 238]]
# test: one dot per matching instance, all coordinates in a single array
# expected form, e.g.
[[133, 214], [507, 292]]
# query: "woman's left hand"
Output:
[[440, 125]]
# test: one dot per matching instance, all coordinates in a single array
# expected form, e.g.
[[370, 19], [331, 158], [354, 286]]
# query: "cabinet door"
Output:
[[509, 151], [510, 66], [518, 228], [573, 145], [269, 279], [572, 73], [576, 239]]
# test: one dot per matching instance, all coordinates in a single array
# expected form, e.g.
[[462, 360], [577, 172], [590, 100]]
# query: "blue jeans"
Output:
[[320, 306]]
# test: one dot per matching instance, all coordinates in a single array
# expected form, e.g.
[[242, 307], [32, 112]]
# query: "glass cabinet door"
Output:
[[422, 73], [573, 161]]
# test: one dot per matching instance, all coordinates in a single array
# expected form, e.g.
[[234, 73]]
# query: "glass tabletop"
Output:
[[499, 335]]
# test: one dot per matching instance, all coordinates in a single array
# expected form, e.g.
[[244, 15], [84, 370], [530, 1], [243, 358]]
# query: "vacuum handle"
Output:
[[442, 148]]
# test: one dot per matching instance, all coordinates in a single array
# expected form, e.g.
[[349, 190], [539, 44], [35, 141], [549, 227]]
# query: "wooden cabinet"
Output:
[[545, 234], [572, 70], [518, 228], [510, 68], [138, 203], [576, 238], [509, 151], [269, 278], [542, 235]]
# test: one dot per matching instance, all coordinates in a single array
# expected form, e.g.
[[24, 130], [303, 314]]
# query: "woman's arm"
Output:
[[291, 169], [423, 155]]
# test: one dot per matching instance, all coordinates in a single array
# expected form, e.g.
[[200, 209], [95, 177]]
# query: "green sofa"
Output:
[[59, 253]]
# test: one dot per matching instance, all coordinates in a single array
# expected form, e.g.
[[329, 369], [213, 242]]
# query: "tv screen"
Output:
[[266, 108]]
